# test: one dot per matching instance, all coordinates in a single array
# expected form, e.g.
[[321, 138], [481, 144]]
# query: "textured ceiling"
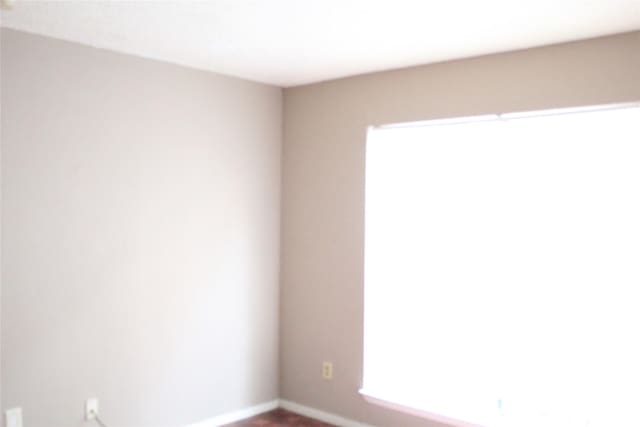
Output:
[[293, 42]]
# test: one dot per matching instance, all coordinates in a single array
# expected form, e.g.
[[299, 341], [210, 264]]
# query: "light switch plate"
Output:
[[13, 417]]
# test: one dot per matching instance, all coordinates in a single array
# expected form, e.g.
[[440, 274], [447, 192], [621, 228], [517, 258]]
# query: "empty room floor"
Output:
[[279, 418]]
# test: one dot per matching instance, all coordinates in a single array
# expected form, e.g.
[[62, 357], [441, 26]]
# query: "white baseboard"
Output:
[[320, 415], [231, 417], [307, 411]]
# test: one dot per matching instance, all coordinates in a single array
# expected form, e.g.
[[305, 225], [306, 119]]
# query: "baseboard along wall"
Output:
[[230, 417], [289, 405]]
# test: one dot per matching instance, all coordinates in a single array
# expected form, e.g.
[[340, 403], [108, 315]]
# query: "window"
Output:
[[502, 268]]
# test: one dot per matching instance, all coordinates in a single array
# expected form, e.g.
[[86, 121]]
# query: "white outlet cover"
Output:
[[13, 417], [91, 409]]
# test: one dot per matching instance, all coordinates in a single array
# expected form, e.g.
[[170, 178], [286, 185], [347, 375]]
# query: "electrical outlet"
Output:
[[13, 417], [91, 409], [7, 4], [327, 370]]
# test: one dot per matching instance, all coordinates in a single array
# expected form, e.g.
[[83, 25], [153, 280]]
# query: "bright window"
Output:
[[502, 268]]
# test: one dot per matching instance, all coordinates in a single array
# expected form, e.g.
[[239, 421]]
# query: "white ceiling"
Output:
[[293, 42]]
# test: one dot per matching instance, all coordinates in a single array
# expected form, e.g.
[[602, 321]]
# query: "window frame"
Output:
[[371, 396]]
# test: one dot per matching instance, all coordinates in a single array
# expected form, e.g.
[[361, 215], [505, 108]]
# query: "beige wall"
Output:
[[140, 245], [140, 222], [323, 187]]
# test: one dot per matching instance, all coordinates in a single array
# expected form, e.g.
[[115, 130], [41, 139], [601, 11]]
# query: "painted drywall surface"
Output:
[[1, 406], [140, 252], [323, 188]]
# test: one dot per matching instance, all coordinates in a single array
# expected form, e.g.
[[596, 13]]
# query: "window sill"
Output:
[[385, 402]]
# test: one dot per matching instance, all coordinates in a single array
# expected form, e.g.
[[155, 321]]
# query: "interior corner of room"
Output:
[[185, 245]]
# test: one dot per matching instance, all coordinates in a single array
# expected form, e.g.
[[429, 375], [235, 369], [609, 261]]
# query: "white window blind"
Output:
[[502, 269]]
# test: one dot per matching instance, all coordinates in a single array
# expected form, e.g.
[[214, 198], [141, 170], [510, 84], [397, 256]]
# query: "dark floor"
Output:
[[279, 418]]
